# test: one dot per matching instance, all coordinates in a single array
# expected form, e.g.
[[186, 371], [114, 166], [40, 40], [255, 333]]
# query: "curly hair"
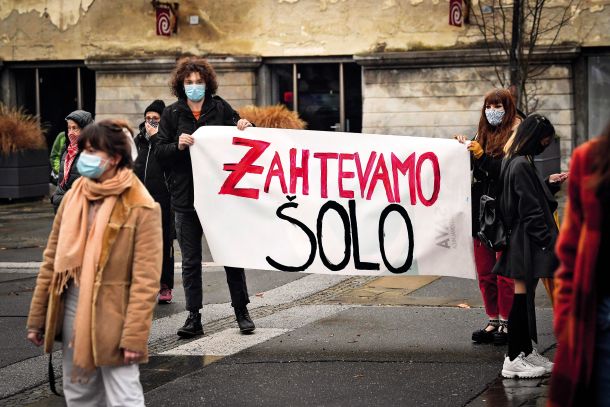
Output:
[[184, 68], [109, 136], [493, 138]]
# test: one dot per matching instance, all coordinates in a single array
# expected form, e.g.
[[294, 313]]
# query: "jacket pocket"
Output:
[[109, 321]]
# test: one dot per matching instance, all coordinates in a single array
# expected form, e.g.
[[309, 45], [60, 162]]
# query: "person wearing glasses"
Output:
[[149, 171]]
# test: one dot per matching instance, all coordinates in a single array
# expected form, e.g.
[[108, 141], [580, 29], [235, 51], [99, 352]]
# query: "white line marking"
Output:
[[33, 266], [224, 343]]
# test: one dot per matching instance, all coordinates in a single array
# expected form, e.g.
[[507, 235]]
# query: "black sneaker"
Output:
[[192, 326], [244, 321], [485, 336], [501, 335]]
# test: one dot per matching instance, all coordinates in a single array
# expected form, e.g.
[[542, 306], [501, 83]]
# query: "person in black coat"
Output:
[[194, 84], [68, 173], [526, 205], [152, 175]]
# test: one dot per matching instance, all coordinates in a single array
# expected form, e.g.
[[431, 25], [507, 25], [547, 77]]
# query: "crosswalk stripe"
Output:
[[31, 267], [224, 343]]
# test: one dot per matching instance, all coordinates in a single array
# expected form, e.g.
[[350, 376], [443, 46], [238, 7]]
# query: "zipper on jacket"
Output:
[[146, 165]]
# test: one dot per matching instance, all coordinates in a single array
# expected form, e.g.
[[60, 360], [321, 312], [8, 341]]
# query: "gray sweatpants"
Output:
[[108, 385]]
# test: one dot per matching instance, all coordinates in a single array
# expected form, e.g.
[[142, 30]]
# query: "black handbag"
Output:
[[492, 231]]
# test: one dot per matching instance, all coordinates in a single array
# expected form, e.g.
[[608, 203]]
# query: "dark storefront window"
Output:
[[328, 96]]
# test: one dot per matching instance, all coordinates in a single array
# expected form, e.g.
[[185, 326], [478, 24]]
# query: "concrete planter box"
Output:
[[24, 174]]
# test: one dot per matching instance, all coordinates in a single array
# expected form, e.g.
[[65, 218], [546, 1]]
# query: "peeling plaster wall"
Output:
[[441, 102], [82, 29]]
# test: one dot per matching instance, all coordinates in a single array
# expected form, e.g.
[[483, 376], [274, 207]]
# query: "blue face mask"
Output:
[[91, 166], [195, 92]]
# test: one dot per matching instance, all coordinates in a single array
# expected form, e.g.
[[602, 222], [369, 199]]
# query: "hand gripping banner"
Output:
[[334, 203]]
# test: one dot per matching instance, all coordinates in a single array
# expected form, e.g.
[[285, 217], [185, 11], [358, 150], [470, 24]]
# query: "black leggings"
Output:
[[518, 328]]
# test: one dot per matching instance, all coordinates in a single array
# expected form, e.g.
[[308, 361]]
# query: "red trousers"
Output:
[[497, 291]]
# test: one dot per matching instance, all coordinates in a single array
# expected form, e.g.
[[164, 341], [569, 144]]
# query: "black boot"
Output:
[[243, 320], [485, 336], [192, 326], [501, 335]]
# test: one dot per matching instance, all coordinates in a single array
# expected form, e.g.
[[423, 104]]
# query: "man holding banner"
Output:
[[194, 83]]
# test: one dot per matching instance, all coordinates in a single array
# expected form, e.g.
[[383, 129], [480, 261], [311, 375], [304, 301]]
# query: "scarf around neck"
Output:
[[72, 152], [78, 254]]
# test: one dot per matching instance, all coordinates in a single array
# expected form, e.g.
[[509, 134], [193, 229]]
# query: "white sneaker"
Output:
[[521, 368], [537, 359]]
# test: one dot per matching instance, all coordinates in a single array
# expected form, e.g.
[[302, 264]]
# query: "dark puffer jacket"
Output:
[[63, 187], [148, 169], [177, 118]]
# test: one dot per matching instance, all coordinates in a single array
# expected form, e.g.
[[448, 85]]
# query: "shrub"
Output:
[[19, 131], [277, 116]]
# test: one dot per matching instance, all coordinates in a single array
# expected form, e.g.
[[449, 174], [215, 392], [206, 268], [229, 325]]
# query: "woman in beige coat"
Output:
[[97, 284]]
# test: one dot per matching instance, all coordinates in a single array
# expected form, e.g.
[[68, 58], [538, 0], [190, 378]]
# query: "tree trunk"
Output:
[[515, 80]]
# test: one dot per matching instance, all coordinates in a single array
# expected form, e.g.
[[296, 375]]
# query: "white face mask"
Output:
[[494, 116]]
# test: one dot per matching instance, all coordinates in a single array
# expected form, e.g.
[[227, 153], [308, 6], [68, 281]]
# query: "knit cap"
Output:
[[156, 106], [81, 117]]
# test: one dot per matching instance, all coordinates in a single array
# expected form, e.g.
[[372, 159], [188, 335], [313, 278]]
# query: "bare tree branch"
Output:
[[538, 27]]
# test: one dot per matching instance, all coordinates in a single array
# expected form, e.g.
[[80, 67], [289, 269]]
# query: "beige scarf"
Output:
[[78, 255]]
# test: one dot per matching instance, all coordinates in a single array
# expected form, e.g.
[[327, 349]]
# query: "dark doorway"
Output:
[[58, 97], [319, 96], [52, 92]]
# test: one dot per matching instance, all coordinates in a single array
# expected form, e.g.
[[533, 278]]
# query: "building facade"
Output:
[[388, 67]]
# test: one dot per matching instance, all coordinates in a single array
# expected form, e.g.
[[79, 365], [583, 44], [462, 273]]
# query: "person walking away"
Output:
[[194, 83], [100, 274], [526, 206], [153, 176], [497, 122], [68, 167], [581, 376]]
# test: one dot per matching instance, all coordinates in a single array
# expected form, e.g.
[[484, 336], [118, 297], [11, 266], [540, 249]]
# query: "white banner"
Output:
[[336, 203]]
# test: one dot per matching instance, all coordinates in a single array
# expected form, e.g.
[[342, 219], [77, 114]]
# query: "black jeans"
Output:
[[189, 234], [167, 272]]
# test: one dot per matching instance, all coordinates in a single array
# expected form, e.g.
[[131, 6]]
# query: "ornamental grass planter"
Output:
[[24, 161], [24, 174]]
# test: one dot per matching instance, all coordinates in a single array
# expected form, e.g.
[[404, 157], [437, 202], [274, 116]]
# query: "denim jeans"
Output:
[[601, 370], [190, 234]]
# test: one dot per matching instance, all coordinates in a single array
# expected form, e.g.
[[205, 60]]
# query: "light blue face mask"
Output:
[[91, 166], [195, 92]]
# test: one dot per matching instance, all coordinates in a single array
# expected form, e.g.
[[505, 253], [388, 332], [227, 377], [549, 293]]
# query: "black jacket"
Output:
[[62, 187], [176, 119], [148, 169], [527, 205]]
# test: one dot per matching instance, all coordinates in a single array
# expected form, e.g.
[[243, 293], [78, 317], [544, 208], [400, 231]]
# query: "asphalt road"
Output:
[[320, 341]]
